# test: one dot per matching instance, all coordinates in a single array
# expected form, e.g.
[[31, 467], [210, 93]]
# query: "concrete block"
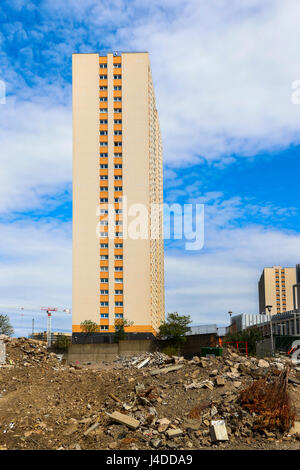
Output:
[[218, 431], [130, 422], [2, 352]]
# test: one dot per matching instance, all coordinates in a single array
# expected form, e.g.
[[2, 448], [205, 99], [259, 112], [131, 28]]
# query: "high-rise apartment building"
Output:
[[117, 164], [275, 289]]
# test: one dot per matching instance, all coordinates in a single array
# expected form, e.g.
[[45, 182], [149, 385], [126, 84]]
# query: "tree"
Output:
[[120, 325], [5, 326], [251, 335], [88, 326], [175, 328], [62, 342]]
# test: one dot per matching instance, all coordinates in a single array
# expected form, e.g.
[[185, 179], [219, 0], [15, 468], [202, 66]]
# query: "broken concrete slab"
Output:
[[2, 352], [165, 370], [262, 363], [174, 433], [163, 424], [130, 422], [143, 363]]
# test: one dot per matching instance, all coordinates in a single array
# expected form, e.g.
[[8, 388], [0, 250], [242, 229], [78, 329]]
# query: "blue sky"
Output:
[[223, 74]]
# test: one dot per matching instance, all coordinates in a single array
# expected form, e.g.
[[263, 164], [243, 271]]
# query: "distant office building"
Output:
[[275, 289], [246, 320]]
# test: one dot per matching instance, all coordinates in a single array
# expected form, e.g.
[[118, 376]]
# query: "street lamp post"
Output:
[[269, 308]]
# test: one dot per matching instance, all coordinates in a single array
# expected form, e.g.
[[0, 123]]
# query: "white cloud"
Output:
[[35, 263], [36, 146], [224, 275]]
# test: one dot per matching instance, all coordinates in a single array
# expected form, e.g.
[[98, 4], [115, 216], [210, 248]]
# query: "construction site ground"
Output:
[[45, 404]]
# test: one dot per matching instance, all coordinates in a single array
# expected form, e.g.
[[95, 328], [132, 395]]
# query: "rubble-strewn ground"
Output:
[[45, 404]]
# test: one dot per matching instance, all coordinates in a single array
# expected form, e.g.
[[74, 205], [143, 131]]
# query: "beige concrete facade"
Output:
[[117, 162], [276, 288]]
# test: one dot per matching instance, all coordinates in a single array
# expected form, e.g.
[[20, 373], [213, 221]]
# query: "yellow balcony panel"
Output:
[[118, 93], [102, 82], [119, 310], [118, 286], [103, 127], [118, 262], [103, 298]]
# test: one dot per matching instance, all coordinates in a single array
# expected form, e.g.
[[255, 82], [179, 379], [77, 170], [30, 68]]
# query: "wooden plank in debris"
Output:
[[165, 370]]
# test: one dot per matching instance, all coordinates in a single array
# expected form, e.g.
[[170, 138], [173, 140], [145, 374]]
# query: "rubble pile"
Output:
[[165, 403], [28, 352], [143, 360]]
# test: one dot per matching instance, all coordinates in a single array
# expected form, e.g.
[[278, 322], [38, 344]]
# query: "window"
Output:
[[103, 199], [118, 188], [103, 245], [103, 98], [118, 281], [104, 292], [103, 132], [104, 257], [119, 315], [104, 315], [118, 292], [118, 155], [103, 234], [117, 87], [103, 155], [118, 199], [103, 166], [103, 110], [117, 77], [102, 121], [117, 132], [118, 165], [118, 211], [103, 66], [103, 222], [103, 188], [103, 144], [103, 177], [119, 304], [117, 66], [118, 177], [103, 268], [103, 211], [118, 110], [118, 256], [118, 121], [117, 98], [118, 245], [104, 280], [118, 268], [119, 234], [104, 304], [104, 327], [103, 77], [119, 222], [118, 144], [102, 87]]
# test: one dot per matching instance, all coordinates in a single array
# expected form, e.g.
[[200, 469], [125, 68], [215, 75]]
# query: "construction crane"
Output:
[[49, 311]]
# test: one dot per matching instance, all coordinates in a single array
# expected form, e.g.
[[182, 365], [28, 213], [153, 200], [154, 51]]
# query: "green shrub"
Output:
[[62, 343], [170, 351]]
